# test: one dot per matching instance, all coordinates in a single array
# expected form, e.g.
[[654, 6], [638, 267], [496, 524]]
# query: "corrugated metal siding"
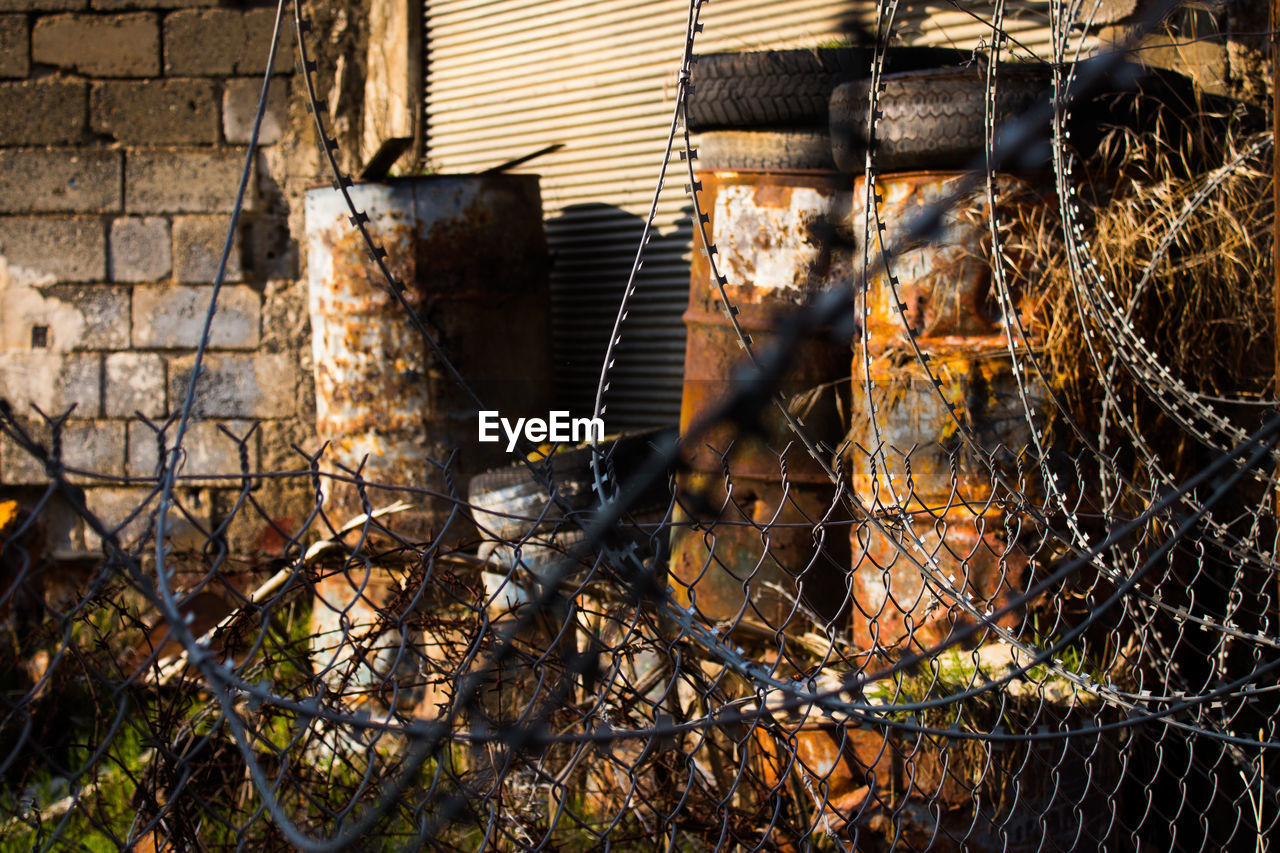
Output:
[[507, 77]]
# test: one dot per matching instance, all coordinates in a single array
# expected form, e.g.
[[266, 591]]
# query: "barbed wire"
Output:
[[1040, 635]]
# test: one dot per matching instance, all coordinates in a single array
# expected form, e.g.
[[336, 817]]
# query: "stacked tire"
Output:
[[768, 110]]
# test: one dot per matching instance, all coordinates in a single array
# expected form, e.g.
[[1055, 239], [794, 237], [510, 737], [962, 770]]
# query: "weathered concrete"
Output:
[[42, 5], [240, 105], [116, 508], [99, 45], [58, 248], [42, 112], [221, 42], [125, 5], [155, 112], [35, 318], [393, 71], [197, 247], [140, 248], [238, 386], [208, 450], [60, 180], [52, 381], [104, 314], [172, 317], [182, 180], [96, 448], [135, 382], [15, 52]]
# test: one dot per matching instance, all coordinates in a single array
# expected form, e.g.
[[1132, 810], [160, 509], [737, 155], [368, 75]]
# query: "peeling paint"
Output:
[[467, 248], [23, 305], [773, 234], [42, 375], [936, 493]]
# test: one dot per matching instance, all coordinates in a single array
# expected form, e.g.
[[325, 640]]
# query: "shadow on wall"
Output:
[[593, 248]]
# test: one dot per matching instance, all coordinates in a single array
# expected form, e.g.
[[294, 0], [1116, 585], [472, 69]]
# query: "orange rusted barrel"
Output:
[[935, 494], [749, 550], [469, 248]]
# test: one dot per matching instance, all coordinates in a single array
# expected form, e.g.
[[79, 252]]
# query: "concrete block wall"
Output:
[[123, 131]]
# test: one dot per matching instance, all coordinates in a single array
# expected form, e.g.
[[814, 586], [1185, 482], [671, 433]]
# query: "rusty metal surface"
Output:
[[752, 555], [891, 789], [773, 235], [925, 457], [469, 249], [972, 547], [945, 284], [930, 442]]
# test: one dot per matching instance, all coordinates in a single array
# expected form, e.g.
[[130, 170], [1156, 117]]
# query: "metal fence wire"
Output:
[[999, 585]]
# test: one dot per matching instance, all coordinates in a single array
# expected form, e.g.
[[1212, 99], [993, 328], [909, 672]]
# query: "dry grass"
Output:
[[1179, 228]]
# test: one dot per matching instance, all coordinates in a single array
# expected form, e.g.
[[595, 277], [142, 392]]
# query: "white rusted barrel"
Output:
[[472, 254]]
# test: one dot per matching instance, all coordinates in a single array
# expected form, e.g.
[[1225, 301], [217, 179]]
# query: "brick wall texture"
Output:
[[123, 126]]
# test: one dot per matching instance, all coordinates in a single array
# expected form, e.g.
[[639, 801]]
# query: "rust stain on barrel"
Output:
[[936, 496], [465, 248], [755, 557], [945, 283], [772, 236]]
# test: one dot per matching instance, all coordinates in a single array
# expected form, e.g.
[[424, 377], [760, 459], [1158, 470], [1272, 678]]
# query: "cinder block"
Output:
[[140, 248], [96, 448], [42, 112], [18, 466], [182, 180], [15, 52], [118, 509], [144, 450], [104, 311], [52, 381], [172, 317], [197, 248], [208, 451], [60, 180], [240, 106], [155, 112], [221, 42], [135, 382], [99, 45], [42, 5], [212, 451], [238, 386], [124, 5], [63, 248], [211, 456], [37, 316]]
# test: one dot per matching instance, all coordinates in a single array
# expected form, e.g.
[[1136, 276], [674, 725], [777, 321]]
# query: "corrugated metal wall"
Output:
[[508, 77]]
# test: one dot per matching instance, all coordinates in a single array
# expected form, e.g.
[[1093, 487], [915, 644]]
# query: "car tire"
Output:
[[932, 119], [765, 150], [786, 88]]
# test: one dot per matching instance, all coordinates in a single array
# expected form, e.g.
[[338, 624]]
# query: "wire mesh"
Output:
[[1024, 598]]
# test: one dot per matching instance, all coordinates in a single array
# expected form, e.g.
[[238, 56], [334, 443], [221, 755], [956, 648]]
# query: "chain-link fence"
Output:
[[965, 545]]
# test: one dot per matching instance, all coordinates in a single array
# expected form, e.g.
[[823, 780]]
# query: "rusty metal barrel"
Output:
[[746, 554], [471, 252], [935, 493]]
